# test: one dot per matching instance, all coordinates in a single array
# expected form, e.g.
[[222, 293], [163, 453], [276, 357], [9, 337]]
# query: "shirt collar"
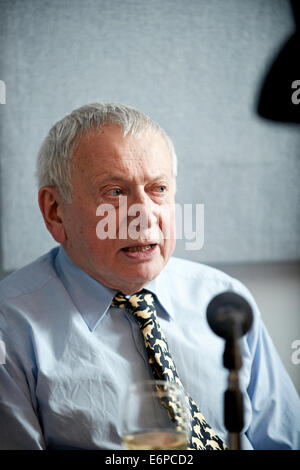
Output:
[[91, 298], [160, 288]]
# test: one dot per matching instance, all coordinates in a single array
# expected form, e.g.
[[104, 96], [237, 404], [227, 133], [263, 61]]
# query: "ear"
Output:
[[50, 203]]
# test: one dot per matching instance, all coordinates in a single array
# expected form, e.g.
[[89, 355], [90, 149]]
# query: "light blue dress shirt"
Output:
[[70, 358]]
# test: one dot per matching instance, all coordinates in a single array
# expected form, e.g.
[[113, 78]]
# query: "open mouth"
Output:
[[139, 248]]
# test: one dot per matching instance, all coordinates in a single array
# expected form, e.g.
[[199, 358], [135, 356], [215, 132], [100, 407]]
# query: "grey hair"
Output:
[[55, 155]]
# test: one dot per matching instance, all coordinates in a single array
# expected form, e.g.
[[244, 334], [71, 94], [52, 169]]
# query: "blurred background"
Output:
[[204, 69]]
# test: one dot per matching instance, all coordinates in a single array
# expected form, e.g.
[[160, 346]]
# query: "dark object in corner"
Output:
[[279, 98]]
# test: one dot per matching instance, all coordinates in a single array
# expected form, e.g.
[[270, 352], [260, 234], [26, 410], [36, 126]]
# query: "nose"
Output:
[[143, 213]]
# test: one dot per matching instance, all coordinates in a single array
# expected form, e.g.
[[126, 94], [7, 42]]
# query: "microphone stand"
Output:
[[230, 316], [233, 398]]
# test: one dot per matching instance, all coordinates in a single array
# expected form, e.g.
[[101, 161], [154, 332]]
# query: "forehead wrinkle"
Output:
[[86, 157], [132, 166], [119, 177]]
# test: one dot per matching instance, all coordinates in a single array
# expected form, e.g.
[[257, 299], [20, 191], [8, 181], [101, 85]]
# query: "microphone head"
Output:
[[229, 315]]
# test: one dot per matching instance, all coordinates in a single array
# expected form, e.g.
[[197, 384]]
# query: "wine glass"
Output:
[[156, 416]]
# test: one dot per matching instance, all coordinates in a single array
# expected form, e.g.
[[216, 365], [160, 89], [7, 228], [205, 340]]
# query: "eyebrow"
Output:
[[118, 177]]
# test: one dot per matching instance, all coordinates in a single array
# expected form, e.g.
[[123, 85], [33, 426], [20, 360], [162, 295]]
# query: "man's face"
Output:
[[106, 168]]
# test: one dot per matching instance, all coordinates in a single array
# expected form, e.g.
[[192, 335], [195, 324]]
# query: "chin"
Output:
[[144, 273]]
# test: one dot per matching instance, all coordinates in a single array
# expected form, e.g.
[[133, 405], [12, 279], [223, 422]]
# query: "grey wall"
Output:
[[193, 65]]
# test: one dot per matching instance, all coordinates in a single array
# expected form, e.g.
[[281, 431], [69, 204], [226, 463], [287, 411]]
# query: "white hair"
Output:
[[55, 155]]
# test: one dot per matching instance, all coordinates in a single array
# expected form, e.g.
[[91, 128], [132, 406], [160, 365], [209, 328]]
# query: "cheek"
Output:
[[167, 223], [80, 225]]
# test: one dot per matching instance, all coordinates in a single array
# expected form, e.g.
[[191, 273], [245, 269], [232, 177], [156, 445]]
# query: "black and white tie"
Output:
[[142, 306]]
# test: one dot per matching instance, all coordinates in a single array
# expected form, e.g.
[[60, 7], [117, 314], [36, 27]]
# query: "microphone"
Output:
[[230, 316]]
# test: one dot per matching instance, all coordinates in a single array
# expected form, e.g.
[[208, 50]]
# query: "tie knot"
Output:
[[140, 304]]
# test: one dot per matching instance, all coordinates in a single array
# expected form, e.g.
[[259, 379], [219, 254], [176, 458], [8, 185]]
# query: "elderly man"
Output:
[[73, 322]]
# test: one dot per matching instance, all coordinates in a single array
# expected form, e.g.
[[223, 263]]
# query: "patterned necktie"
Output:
[[141, 305]]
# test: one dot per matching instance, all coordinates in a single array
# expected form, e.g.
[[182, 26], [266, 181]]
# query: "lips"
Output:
[[137, 248], [140, 251]]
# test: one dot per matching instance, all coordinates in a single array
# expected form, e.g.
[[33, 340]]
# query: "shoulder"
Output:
[[202, 281], [194, 271], [30, 278]]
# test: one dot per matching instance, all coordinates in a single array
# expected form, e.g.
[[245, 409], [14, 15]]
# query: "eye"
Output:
[[162, 188], [115, 192]]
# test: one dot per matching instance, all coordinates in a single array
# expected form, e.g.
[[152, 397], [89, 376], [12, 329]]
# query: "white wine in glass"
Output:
[[155, 440], [156, 417]]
